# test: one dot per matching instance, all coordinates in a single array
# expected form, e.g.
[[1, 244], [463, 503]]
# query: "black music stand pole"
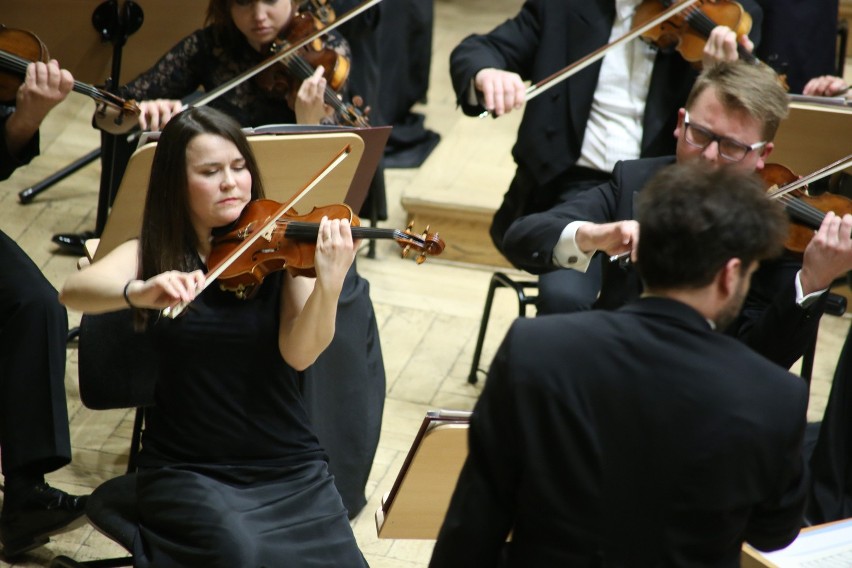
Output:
[[114, 25], [27, 195]]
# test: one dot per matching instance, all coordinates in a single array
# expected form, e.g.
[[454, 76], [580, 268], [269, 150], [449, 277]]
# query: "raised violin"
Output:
[[291, 49], [806, 211], [687, 33], [291, 243], [19, 48], [285, 79], [118, 126]]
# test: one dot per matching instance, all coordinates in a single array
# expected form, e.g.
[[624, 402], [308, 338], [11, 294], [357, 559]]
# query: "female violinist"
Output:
[[350, 373], [239, 35], [228, 439]]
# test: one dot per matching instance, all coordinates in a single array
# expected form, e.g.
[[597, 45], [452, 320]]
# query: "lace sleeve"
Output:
[[177, 74]]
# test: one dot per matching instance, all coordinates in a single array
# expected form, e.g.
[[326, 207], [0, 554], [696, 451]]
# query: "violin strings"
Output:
[[308, 231], [302, 68], [299, 66], [802, 211], [703, 24]]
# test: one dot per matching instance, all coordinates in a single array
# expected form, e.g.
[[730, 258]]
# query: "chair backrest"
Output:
[[117, 369], [117, 365]]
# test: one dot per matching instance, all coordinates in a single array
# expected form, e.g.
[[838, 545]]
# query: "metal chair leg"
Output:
[[499, 280]]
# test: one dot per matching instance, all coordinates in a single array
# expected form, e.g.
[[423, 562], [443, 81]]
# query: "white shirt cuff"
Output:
[[801, 299], [566, 253]]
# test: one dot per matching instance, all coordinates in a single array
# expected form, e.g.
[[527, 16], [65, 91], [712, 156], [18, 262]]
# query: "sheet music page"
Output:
[[825, 547]]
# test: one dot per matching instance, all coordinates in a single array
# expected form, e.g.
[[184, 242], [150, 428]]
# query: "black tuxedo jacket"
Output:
[[8, 162], [627, 439], [546, 36], [770, 322]]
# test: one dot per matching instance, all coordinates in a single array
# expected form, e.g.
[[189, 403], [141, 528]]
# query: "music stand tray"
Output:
[[417, 503], [287, 162], [813, 136]]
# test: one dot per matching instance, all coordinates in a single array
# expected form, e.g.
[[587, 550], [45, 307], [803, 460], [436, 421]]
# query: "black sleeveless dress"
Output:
[[231, 472]]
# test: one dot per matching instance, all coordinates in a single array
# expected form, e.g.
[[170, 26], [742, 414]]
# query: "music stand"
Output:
[[287, 161], [90, 44], [417, 503], [813, 136]]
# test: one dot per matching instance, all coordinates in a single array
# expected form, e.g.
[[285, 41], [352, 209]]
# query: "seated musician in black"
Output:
[[34, 437], [231, 470], [729, 119]]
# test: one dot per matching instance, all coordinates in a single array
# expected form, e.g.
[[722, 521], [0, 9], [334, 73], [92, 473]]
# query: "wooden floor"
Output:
[[428, 314]]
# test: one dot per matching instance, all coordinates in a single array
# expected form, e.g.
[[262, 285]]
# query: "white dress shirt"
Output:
[[614, 129]]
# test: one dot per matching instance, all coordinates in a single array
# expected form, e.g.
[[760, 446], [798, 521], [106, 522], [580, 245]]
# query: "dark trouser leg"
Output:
[[564, 291], [344, 393], [830, 497], [33, 416]]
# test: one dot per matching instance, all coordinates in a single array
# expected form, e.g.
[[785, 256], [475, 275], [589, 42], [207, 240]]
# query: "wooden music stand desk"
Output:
[[417, 503], [813, 136], [288, 162]]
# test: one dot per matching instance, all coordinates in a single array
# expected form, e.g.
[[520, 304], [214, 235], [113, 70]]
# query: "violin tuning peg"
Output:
[[405, 251], [421, 258]]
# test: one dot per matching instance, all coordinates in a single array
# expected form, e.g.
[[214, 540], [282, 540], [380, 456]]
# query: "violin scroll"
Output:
[[427, 244]]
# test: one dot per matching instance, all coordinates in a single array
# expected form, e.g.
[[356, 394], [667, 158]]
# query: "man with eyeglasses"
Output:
[[729, 120]]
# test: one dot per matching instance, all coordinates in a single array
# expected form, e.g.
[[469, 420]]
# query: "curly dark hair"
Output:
[[694, 218]]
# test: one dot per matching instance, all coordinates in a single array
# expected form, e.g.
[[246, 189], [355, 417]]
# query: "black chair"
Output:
[[116, 370], [835, 305], [500, 280]]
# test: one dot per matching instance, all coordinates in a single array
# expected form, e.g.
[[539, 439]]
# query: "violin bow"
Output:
[[267, 229], [566, 72], [825, 171]]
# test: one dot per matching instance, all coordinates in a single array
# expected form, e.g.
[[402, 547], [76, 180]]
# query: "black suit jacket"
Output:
[[770, 322], [8, 162], [546, 36], [631, 438]]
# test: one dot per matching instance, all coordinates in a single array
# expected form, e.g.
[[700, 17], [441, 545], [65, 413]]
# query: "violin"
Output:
[[291, 243], [284, 80], [806, 211], [18, 48], [688, 31]]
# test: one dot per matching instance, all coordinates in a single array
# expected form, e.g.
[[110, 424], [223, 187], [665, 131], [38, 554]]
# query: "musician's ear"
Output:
[[681, 114]]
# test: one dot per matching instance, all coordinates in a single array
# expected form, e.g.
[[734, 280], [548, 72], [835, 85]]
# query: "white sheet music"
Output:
[[824, 547]]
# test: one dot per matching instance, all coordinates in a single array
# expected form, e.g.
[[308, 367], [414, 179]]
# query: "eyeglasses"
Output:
[[249, 2], [730, 149]]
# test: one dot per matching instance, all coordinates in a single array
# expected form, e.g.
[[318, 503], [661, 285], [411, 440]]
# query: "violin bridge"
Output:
[[241, 291], [243, 233]]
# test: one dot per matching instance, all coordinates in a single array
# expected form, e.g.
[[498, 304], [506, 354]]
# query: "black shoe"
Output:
[[72, 243], [44, 512]]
